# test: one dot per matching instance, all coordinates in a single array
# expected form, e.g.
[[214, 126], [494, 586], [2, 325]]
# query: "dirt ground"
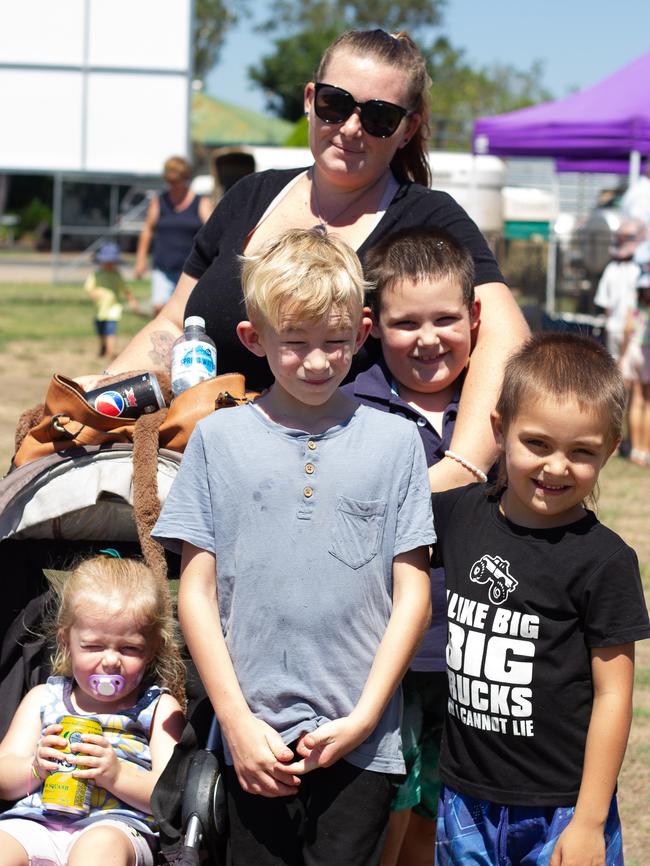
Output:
[[25, 376]]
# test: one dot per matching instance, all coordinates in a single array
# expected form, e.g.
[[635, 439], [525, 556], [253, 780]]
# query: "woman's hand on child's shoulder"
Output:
[[447, 474]]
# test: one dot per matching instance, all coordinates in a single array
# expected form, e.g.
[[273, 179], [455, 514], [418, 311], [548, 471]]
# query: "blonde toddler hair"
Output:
[[113, 585]]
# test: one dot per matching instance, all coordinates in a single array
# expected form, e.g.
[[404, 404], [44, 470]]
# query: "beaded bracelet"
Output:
[[467, 465]]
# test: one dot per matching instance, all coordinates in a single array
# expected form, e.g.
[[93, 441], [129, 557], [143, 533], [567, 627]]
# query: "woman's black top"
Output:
[[217, 296]]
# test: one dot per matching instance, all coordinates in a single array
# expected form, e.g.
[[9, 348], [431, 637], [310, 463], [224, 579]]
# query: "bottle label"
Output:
[[194, 356]]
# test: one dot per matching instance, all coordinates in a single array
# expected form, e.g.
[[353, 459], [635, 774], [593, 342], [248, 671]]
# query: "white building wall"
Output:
[[94, 85]]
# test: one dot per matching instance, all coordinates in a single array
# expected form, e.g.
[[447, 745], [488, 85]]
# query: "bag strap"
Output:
[[146, 503], [28, 419]]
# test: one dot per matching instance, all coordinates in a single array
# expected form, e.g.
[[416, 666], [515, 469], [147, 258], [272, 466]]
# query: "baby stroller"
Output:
[[78, 502]]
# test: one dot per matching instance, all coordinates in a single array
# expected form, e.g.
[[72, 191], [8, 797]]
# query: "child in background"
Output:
[[635, 364], [424, 314], [108, 290], [544, 606], [616, 292], [305, 523], [116, 663]]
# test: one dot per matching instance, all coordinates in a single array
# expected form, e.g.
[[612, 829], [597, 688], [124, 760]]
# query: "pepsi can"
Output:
[[128, 398]]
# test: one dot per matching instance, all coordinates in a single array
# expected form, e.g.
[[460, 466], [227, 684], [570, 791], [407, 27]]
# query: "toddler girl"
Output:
[[116, 663]]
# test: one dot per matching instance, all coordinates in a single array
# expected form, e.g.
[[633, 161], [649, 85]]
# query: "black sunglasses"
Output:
[[378, 118]]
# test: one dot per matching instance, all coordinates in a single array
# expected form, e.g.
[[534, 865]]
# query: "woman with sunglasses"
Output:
[[367, 113]]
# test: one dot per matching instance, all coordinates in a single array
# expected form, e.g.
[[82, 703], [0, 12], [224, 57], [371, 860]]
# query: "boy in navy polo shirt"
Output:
[[424, 313], [305, 520]]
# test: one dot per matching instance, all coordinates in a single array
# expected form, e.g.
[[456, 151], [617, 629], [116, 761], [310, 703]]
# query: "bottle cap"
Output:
[[195, 322]]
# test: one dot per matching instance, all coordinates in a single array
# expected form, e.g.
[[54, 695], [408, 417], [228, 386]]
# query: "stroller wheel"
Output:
[[204, 807]]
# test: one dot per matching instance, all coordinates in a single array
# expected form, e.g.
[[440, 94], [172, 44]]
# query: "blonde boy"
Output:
[[304, 588]]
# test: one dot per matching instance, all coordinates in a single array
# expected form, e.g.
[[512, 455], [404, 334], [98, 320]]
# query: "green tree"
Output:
[[300, 15], [212, 20], [311, 25], [283, 74], [459, 95]]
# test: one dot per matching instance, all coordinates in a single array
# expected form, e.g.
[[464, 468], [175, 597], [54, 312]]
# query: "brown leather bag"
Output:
[[67, 420]]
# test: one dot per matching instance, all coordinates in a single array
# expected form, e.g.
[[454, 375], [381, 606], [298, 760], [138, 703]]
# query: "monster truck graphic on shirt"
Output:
[[496, 570]]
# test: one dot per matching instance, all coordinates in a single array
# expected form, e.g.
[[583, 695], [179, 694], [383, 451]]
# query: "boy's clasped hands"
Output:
[[266, 766]]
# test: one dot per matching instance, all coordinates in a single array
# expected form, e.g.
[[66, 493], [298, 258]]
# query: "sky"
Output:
[[579, 42]]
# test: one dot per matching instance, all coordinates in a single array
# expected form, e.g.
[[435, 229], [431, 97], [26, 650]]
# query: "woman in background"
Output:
[[173, 219]]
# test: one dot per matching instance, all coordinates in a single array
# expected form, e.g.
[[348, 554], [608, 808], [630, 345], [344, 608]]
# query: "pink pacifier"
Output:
[[107, 685]]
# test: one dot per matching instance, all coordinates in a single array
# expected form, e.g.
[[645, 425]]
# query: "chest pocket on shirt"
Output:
[[356, 534]]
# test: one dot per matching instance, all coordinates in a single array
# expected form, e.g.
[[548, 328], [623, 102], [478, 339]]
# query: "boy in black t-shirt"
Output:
[[544, 604]]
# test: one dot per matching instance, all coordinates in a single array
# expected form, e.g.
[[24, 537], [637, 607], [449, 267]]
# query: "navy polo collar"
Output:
[[373, 387], [376, 384]]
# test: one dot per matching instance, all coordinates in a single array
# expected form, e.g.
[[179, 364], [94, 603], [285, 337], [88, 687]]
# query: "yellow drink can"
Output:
[[62, 792]]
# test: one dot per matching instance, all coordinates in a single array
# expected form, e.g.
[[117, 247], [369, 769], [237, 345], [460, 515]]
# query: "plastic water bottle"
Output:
[[194, 356]]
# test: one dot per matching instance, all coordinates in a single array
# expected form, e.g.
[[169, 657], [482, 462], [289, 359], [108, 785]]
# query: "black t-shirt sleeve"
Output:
[[416, 206], [457, 222], [614, 605], [443, 504]]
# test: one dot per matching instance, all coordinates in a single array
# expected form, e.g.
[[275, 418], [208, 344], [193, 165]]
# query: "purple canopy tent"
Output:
[[604, 128], [597, 128]]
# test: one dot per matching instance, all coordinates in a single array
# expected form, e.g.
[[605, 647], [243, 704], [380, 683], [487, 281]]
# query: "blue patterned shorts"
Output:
[[480, 833]]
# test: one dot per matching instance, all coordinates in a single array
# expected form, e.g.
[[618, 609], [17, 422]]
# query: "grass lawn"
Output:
[[625, 508], [49, 314], [46, 328]]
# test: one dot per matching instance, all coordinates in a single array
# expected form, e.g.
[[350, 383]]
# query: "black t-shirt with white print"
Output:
[[524, 608]]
